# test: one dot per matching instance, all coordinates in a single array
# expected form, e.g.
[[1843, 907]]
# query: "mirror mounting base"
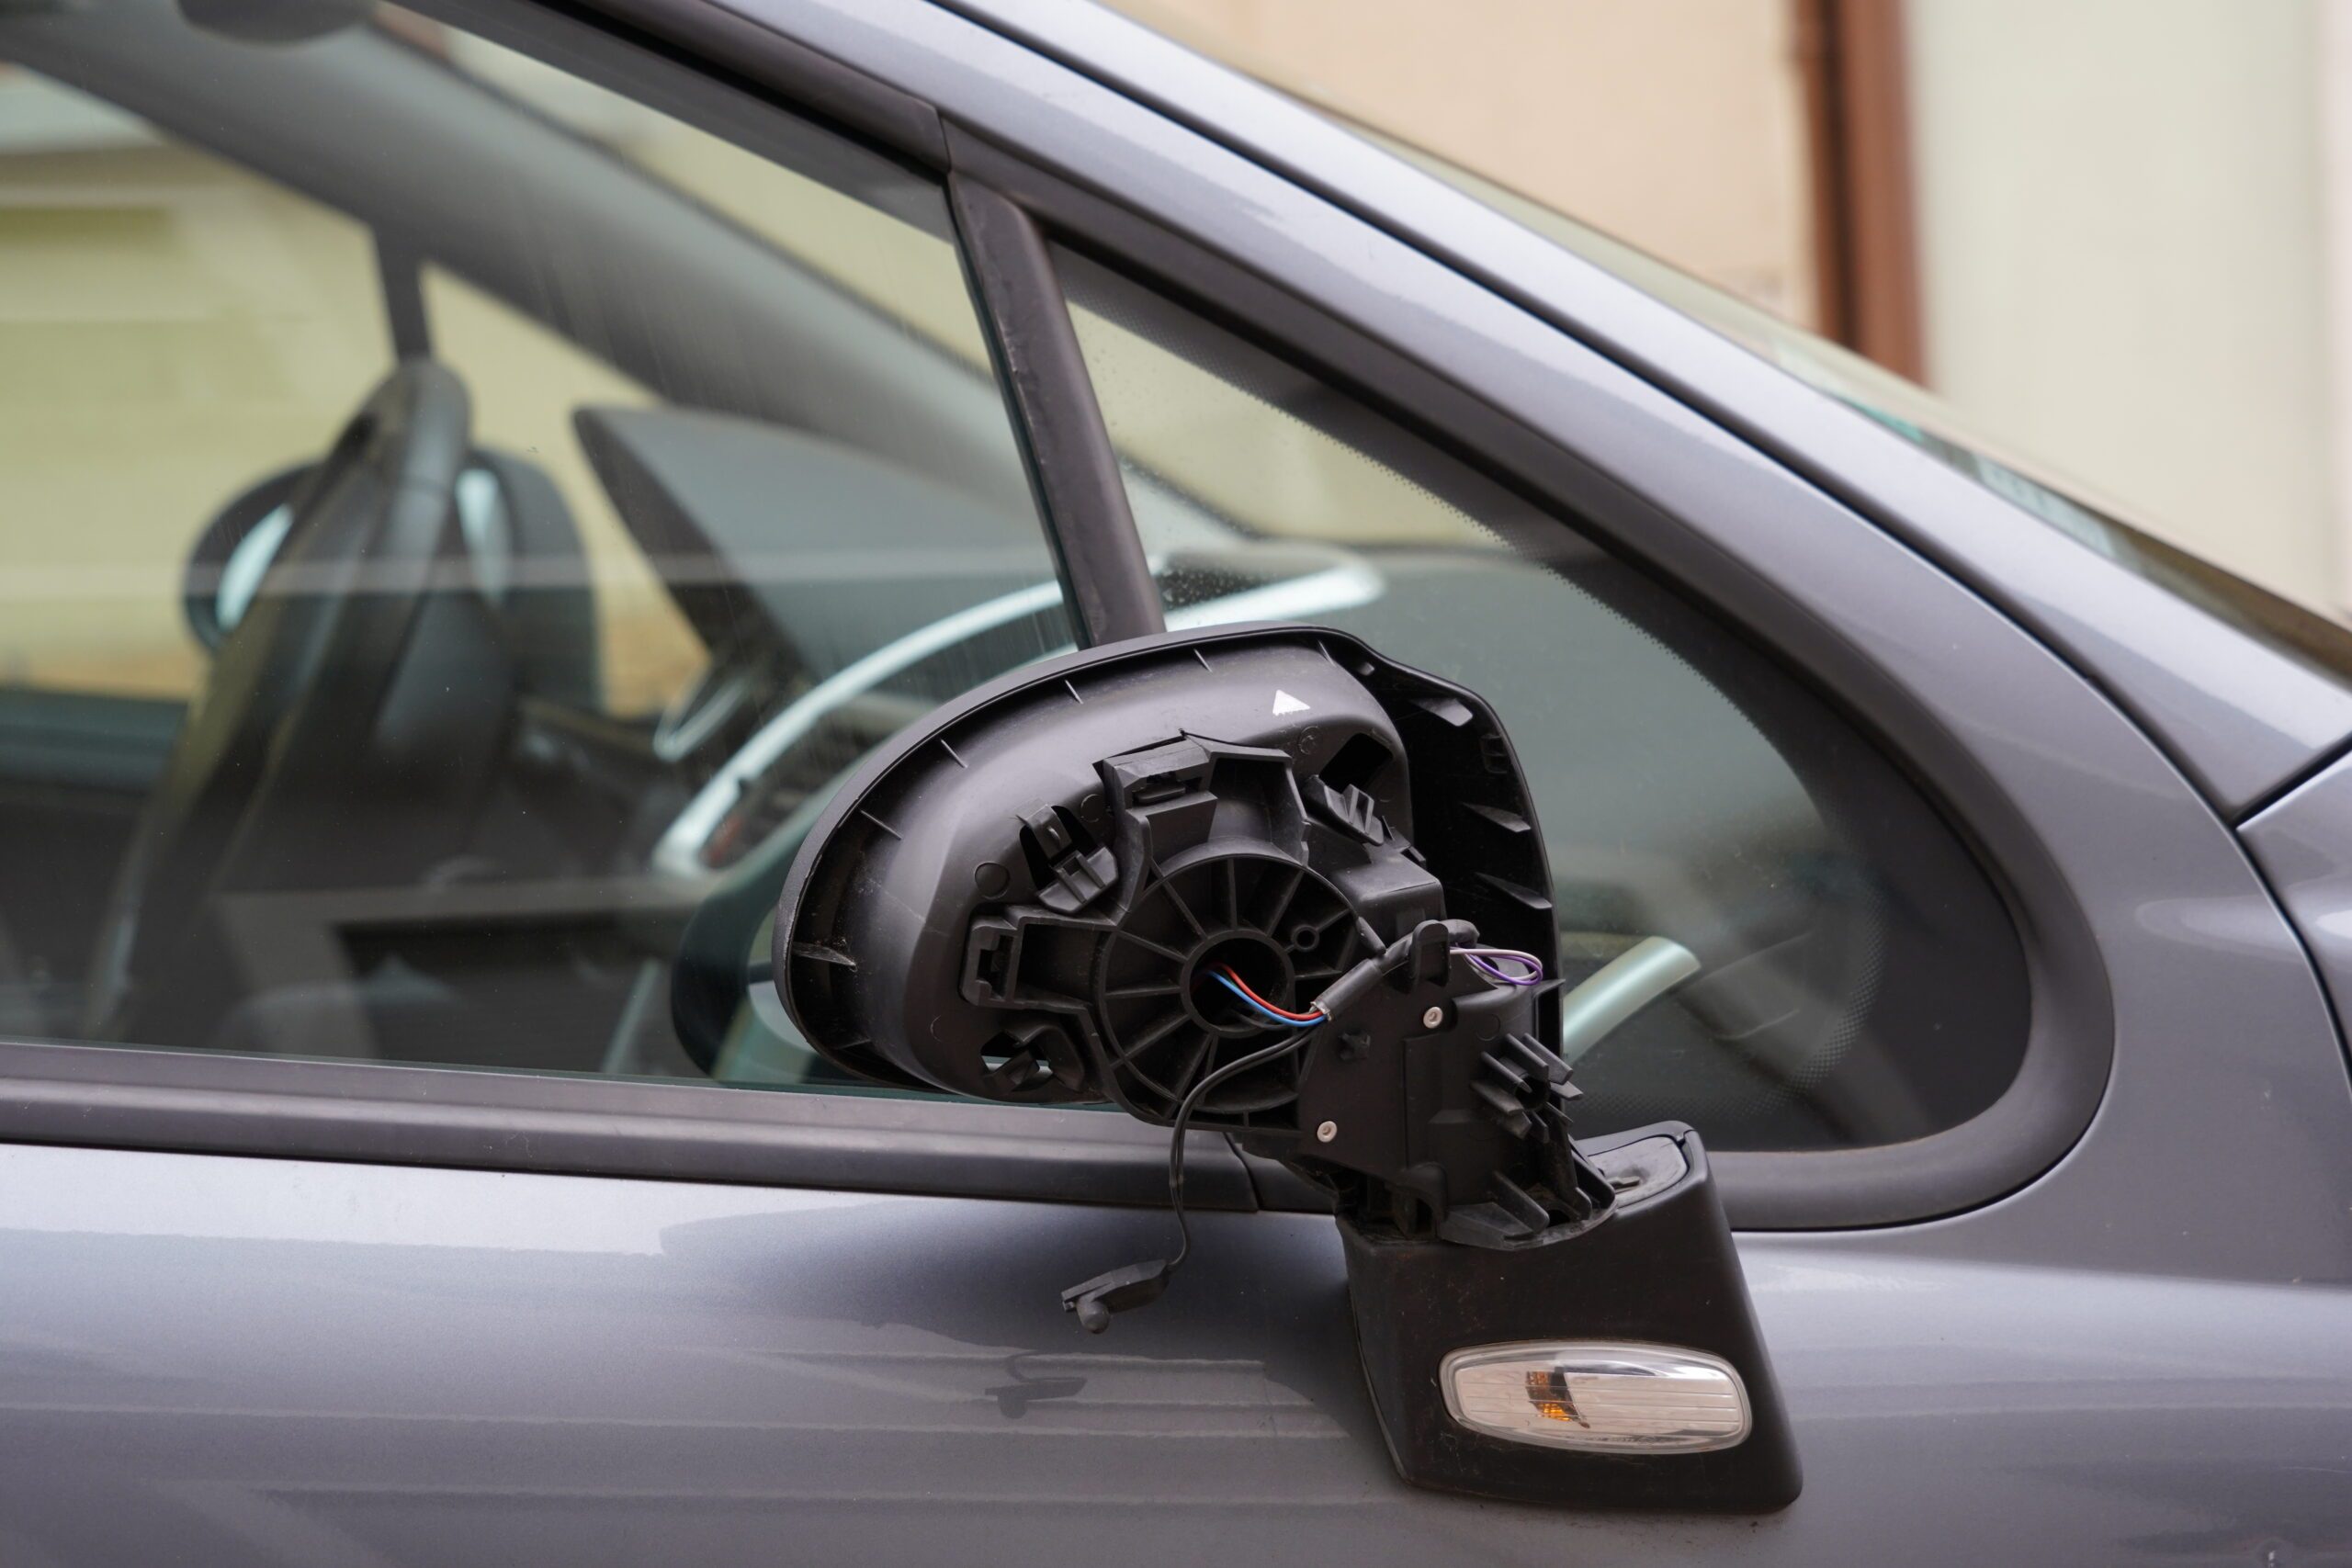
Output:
[[1661, 1274]]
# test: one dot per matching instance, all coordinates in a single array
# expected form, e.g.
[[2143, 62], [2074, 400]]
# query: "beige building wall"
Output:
[[2122, 212], [1677, 125]]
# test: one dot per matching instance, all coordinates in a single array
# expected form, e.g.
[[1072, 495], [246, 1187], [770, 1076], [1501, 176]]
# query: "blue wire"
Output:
[[1260, 1007]]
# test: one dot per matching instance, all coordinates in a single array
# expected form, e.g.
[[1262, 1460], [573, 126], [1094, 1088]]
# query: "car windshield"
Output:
[[1927, 421]]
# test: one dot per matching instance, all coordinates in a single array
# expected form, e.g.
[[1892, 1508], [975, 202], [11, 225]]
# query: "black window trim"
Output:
[[138, 1097], [392, 1113], [1073, 470]]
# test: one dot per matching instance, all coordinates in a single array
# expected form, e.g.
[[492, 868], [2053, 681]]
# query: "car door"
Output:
[[487, 1208]]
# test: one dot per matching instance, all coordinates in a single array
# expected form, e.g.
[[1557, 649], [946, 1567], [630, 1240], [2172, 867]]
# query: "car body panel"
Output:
[[214, 1359], [2303, 844]]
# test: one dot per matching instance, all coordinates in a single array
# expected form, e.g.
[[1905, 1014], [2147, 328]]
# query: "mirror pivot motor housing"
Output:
[[1263, 880]]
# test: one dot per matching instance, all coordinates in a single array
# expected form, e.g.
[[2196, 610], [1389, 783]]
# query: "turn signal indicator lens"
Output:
[[1615, 1398]]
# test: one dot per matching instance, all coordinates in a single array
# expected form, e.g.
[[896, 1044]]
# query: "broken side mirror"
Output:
[[1264, 881]]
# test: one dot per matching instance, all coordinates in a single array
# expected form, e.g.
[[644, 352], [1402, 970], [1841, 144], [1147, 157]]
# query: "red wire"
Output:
[[1227, 970]]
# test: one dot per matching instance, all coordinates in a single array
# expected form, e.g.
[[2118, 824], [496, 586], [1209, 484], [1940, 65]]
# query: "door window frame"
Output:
[[2069, 1051], [1006, 203]]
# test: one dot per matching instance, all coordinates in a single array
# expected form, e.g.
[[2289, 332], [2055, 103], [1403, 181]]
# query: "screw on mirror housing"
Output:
[[1265, 881]]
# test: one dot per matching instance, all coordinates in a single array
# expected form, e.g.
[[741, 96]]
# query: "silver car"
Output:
[[478, 478]]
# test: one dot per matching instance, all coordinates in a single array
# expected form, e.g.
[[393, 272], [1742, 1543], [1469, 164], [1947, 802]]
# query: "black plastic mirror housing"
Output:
[[1264, 879]]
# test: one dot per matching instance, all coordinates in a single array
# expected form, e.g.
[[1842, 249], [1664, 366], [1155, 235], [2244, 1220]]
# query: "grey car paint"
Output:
[[2138, 1354], [2303, 844], [211, 1359]]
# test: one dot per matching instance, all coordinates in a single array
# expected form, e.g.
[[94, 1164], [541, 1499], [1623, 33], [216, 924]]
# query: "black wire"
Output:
[[1273, 1053]]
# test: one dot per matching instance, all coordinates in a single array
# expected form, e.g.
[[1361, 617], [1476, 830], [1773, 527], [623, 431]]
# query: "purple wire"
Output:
[[1481, 957]]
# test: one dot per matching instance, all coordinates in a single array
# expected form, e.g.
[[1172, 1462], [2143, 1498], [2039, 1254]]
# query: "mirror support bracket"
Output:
[[1660, 1276]]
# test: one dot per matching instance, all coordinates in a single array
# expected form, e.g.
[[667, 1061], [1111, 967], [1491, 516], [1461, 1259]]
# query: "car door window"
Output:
[[1862, 983], [457, 699]]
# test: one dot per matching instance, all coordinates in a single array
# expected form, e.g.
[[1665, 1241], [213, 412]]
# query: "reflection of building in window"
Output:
[[2116, 238], [173, 329]]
